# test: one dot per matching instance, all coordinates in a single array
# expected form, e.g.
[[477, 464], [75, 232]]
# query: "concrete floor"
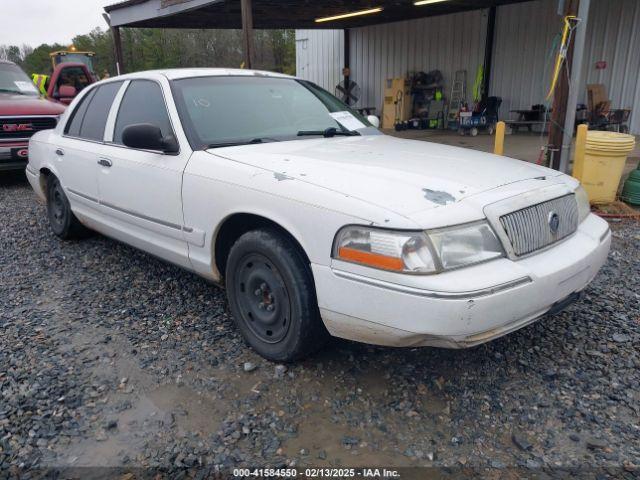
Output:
[[522, 146]]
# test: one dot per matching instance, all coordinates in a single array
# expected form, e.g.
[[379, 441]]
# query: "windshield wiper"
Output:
[[327, 133], [241, 142], [6, 90]]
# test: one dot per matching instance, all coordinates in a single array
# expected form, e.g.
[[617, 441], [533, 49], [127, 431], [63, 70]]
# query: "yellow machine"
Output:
[[72, 55]]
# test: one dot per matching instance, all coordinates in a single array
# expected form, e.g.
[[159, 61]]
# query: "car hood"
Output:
[[404, 176], [24, 105]]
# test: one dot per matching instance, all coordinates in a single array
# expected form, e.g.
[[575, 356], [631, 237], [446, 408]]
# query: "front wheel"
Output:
[[272, 296], [62, 220]]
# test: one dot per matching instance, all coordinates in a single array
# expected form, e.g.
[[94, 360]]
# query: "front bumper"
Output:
[[461, 308], [14, 156]]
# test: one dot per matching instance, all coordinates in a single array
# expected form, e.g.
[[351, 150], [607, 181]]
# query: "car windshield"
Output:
[[231, 110], [14, 80]]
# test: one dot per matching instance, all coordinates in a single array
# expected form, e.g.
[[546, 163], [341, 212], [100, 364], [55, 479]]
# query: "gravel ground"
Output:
[[110, 357]]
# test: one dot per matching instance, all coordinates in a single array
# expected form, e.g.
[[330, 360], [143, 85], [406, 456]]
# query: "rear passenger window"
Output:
[[142, 103], [75, 122], [95, 120]]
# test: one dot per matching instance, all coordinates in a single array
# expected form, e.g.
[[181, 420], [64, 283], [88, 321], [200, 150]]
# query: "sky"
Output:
[[34, 22]]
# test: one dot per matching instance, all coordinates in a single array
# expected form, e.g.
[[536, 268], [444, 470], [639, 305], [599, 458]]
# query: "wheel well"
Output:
[[237, 225], [45, 173]]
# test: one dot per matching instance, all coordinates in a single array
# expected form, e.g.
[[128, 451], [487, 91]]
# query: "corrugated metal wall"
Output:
[[614, 36], [447, 43], [320, 56], [523, 54]]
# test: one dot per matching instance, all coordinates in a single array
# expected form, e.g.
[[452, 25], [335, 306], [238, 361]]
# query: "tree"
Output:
[[146, 49]]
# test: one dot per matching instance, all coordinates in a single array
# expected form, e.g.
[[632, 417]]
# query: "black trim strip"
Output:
[[133, 213], [142, 216], [87, 197]]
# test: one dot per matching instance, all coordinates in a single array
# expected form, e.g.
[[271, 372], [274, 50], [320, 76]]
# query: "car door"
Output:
[[80, 148], [141, 190]]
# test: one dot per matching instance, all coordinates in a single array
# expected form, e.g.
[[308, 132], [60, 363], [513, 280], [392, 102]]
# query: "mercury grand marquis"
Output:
[[316, 223]]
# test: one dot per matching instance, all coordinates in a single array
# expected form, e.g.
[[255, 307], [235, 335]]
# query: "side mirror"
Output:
[[146, 136], [67, 91], [373, 120]]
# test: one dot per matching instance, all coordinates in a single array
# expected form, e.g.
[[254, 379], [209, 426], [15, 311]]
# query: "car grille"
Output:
[[24, 127], [530, 229]]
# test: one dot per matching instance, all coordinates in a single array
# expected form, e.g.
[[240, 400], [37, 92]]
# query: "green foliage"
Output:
[[146, 49], [39, 61]]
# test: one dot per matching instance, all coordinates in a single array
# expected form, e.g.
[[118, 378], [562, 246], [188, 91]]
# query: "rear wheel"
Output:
[[272, 296], [62, 220]]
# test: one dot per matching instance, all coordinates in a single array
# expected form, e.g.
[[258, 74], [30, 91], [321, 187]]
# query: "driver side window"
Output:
[[143, 102]]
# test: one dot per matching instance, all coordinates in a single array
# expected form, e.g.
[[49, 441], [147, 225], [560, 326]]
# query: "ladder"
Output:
[[458, 95]]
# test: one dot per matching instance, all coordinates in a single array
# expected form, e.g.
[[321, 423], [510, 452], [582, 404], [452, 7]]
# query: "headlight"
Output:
[[466, 245], [584, 207], [417, 252], [407, 252]]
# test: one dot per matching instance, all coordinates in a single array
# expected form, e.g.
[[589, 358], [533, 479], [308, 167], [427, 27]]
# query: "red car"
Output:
[[23, 111]]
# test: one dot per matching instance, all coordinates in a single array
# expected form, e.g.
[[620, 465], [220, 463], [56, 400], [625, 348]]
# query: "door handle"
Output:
[[59, 152], [105, 162]]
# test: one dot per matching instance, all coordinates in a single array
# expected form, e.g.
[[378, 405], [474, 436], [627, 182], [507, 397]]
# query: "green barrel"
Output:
[[631, 190]]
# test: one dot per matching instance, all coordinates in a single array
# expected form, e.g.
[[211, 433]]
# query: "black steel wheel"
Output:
[[272, 296], [62, 220], [263, 298]]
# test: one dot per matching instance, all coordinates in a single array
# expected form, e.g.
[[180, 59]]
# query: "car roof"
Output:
[[180, 73]]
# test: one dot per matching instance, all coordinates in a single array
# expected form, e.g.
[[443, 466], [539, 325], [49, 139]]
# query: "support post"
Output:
[[247, 32], [561, 96], [576, 82], [498, 148], [346, 71], [117, 40], [488, 52]]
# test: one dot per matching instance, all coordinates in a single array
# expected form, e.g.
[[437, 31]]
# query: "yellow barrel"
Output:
[[606, 155]]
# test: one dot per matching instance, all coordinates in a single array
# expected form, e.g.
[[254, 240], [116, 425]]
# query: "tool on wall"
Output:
[[477, 85], [399, 106], [570, 24]]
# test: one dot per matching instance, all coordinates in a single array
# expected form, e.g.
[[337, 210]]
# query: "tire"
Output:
[[62, 220], [474, 132], [272, 296], [491, 130]]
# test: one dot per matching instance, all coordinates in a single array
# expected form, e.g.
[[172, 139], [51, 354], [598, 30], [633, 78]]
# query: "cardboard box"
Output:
[[397, 102]]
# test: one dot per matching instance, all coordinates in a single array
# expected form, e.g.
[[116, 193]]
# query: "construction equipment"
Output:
[[72, 55], [458, 96], [70, 67]]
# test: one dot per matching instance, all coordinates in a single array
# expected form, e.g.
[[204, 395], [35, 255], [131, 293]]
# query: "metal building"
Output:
[[523, 51]]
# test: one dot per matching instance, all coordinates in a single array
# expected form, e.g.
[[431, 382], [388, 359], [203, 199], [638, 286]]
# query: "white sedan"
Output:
[[316, 223]]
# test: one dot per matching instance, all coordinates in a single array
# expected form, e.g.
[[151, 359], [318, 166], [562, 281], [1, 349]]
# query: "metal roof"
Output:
[[299, 14]]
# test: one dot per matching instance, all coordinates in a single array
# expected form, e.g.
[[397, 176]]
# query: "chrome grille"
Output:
[[529, 229]]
